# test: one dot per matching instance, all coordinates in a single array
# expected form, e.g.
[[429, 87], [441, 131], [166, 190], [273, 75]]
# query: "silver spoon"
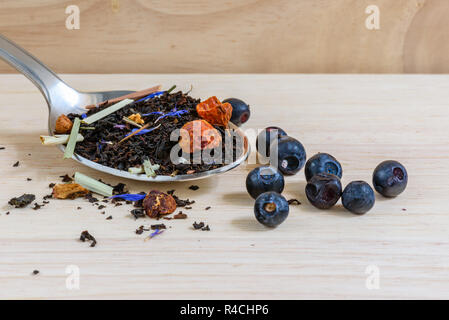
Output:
[[62, 99]]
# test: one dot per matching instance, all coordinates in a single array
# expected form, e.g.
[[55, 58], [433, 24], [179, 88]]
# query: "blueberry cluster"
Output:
[[323, 173]]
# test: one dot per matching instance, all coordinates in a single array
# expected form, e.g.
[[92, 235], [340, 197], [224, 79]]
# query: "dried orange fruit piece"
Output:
[[215, 112], [69, 191], [198, 135], [137, 118], [157, 203], [63, 124]]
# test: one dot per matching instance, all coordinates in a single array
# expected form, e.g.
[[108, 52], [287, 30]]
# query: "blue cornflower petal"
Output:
[[150, 96], [129, 196]]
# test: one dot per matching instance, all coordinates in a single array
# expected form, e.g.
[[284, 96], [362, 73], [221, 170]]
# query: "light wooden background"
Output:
[[360, 119], [238, 36]]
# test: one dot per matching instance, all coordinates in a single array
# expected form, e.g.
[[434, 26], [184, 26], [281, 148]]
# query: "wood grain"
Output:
[[361, 120], [235, 36]]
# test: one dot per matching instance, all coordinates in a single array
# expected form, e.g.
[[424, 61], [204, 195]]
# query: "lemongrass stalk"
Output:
[[70, 148], [136, 170], [128, 120], [58, 139], [93, 185], [105, 112], [150, 168], [171, 89]]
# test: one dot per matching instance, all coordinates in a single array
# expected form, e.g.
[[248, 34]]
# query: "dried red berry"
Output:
[[198, 135], [157, 203], [63, 124], [215, 112]]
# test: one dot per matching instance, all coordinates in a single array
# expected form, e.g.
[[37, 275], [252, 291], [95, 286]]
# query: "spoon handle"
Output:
[[44, 79]]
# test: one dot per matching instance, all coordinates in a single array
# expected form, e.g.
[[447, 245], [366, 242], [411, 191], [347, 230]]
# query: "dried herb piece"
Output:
[[70, 147], [63, 124], [198, 226], [206, 228], [133, 95], [91, 198], [109, 218], [138, 213], [101, 207], [16, 164], [180, 202], [69, 191], [119, 188], [157, 203], [105, 112], [180, 215], [194, 187], [93, 185], [207, 208], [35, 272], [294, 202], [158, 226], [29, 179], [22, 201], [58, 139], [65, 178], [37, 206], [2, 148], [86, 236], [141, 229], [149, 168], [51, 185]]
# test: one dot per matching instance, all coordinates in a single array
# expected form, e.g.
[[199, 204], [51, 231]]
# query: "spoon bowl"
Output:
[[63, 99]]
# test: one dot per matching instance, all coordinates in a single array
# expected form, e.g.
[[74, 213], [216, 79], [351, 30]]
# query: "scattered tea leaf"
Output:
[[86, 236], [22, 201]]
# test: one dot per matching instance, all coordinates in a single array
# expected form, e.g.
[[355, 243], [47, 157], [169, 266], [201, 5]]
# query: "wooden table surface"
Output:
[[360, 119]]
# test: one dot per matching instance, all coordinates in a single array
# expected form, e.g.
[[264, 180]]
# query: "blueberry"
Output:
[[390, 178], [240, 111], [358, 197], [266, 137], [323, 190], [291, 155], [263, 179], [271, 209], [322, 162]]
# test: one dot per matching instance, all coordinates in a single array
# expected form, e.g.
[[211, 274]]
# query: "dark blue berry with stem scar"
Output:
[[263, 179], [240, 111], [291, 155], [322, 162], [390, 178], [266, 137], [271, 209], [323, 190], [358, 197]]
